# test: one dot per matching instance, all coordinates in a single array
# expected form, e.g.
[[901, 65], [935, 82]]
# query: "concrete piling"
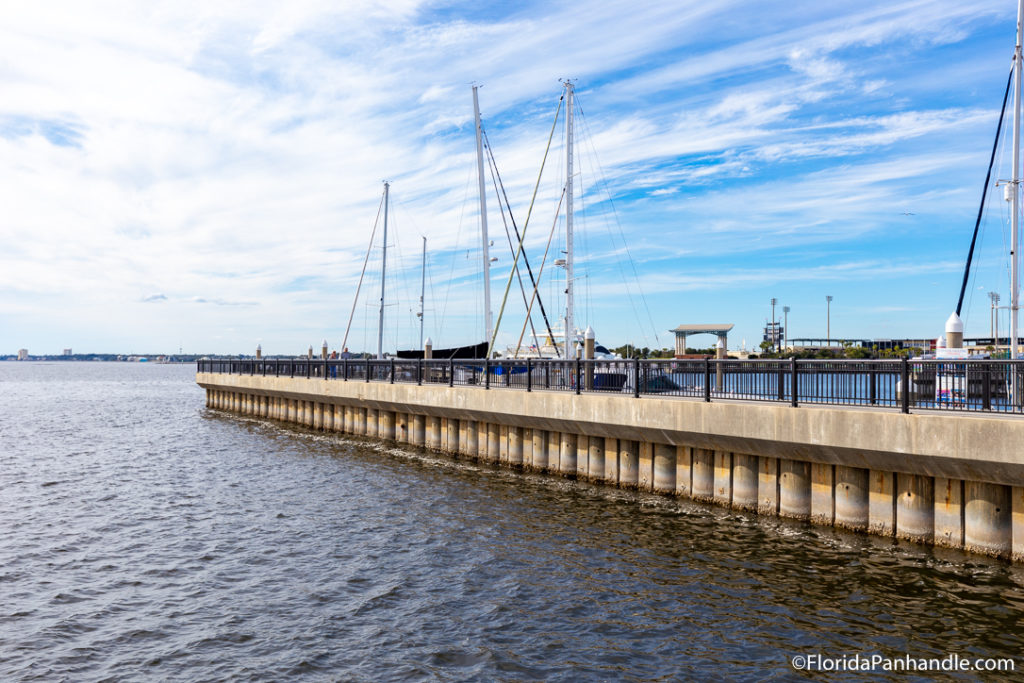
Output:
[[567, 455], [493, 442], [988, 519], [949, 513], [471, 446], [664, 479], [629, 463], [767, 485], [823, 509], [703, 477], [1017, 523], [723, 478], [645, 467], [744, 481], [386, 425], [794, 489], [684, 462], [881, 503], [611, 460], [540, 450], [515, 446], [582, 456], [433, 432], [915, 508], [851, 498]]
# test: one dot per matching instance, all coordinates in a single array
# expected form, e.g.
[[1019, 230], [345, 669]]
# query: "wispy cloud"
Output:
[[232, 155]]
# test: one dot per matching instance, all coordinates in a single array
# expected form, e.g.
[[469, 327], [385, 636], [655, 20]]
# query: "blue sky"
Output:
[[206, 175]]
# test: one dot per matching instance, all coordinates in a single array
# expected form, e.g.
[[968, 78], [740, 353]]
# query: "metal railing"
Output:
[[959, 386]]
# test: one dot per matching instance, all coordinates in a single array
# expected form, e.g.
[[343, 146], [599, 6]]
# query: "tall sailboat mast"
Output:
[[1015, 184], [423, 286], [383, 270], [488, 325], [570, 329]]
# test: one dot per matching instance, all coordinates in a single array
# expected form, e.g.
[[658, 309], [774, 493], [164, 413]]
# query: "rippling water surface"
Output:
[[144, 536]]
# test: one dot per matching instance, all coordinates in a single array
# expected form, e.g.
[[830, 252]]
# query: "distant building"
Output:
[[67, 352], [773, 334], [22, 354]]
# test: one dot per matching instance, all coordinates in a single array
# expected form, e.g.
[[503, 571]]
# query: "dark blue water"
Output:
[[145, 537]]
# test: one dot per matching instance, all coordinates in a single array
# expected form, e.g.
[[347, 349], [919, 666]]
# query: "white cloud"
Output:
[[233, 153]]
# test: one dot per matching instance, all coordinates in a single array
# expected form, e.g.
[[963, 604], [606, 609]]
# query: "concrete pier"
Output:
[[795, 489], [744, 482], [664, 468], [945, 479], [703, 474], [567, 455], [645, 467], [987, 519], [915, 508], [851, 498], [629, 463], [595, 459], [540, 450]]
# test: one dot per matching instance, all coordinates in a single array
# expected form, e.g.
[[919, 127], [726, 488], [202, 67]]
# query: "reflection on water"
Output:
[[148, 537]]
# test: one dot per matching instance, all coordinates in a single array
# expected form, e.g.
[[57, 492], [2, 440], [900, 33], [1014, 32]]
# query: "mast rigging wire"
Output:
[[526, 224], [369, 248], [984, 192], [533, 281]]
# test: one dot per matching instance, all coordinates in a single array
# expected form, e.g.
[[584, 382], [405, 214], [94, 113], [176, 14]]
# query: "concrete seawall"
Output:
[[944, 479]]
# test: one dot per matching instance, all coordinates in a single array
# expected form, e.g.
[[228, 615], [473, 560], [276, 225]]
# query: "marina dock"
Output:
[[881, 461]]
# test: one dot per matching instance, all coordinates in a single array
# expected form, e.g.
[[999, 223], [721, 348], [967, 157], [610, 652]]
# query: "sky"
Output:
[[207, 176]]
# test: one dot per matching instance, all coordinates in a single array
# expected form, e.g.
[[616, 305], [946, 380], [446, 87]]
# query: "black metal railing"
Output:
[[960, 386]]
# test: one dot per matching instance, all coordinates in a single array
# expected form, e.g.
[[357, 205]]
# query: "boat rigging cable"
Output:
[[533, 281], [984, 192], [504, 222], [540, 274], [526, 224], [369, 248], [625, 244]]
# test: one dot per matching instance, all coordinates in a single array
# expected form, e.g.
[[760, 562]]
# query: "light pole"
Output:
[[775, 331], [993, 318], [785, 327], [828, 319]]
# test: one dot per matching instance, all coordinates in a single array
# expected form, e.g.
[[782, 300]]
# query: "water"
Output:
[[143, 536]]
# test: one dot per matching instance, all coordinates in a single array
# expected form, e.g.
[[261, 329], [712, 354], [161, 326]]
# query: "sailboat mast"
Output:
[[483, 221], [570, 334], [1015, 183], [383, 270], [423, 287]]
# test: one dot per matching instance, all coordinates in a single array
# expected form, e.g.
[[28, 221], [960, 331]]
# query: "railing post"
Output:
[[905, 384], [781, 381], [291, 366], [986, 386], [873, 383], [487, 373], [367, 373], [707, 379], [392, 371], [419, 371], [451, 372], [793, 381], [636, 378], [309, 368], [576, 371], [529, 376], [344, 369], [547, 375]]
